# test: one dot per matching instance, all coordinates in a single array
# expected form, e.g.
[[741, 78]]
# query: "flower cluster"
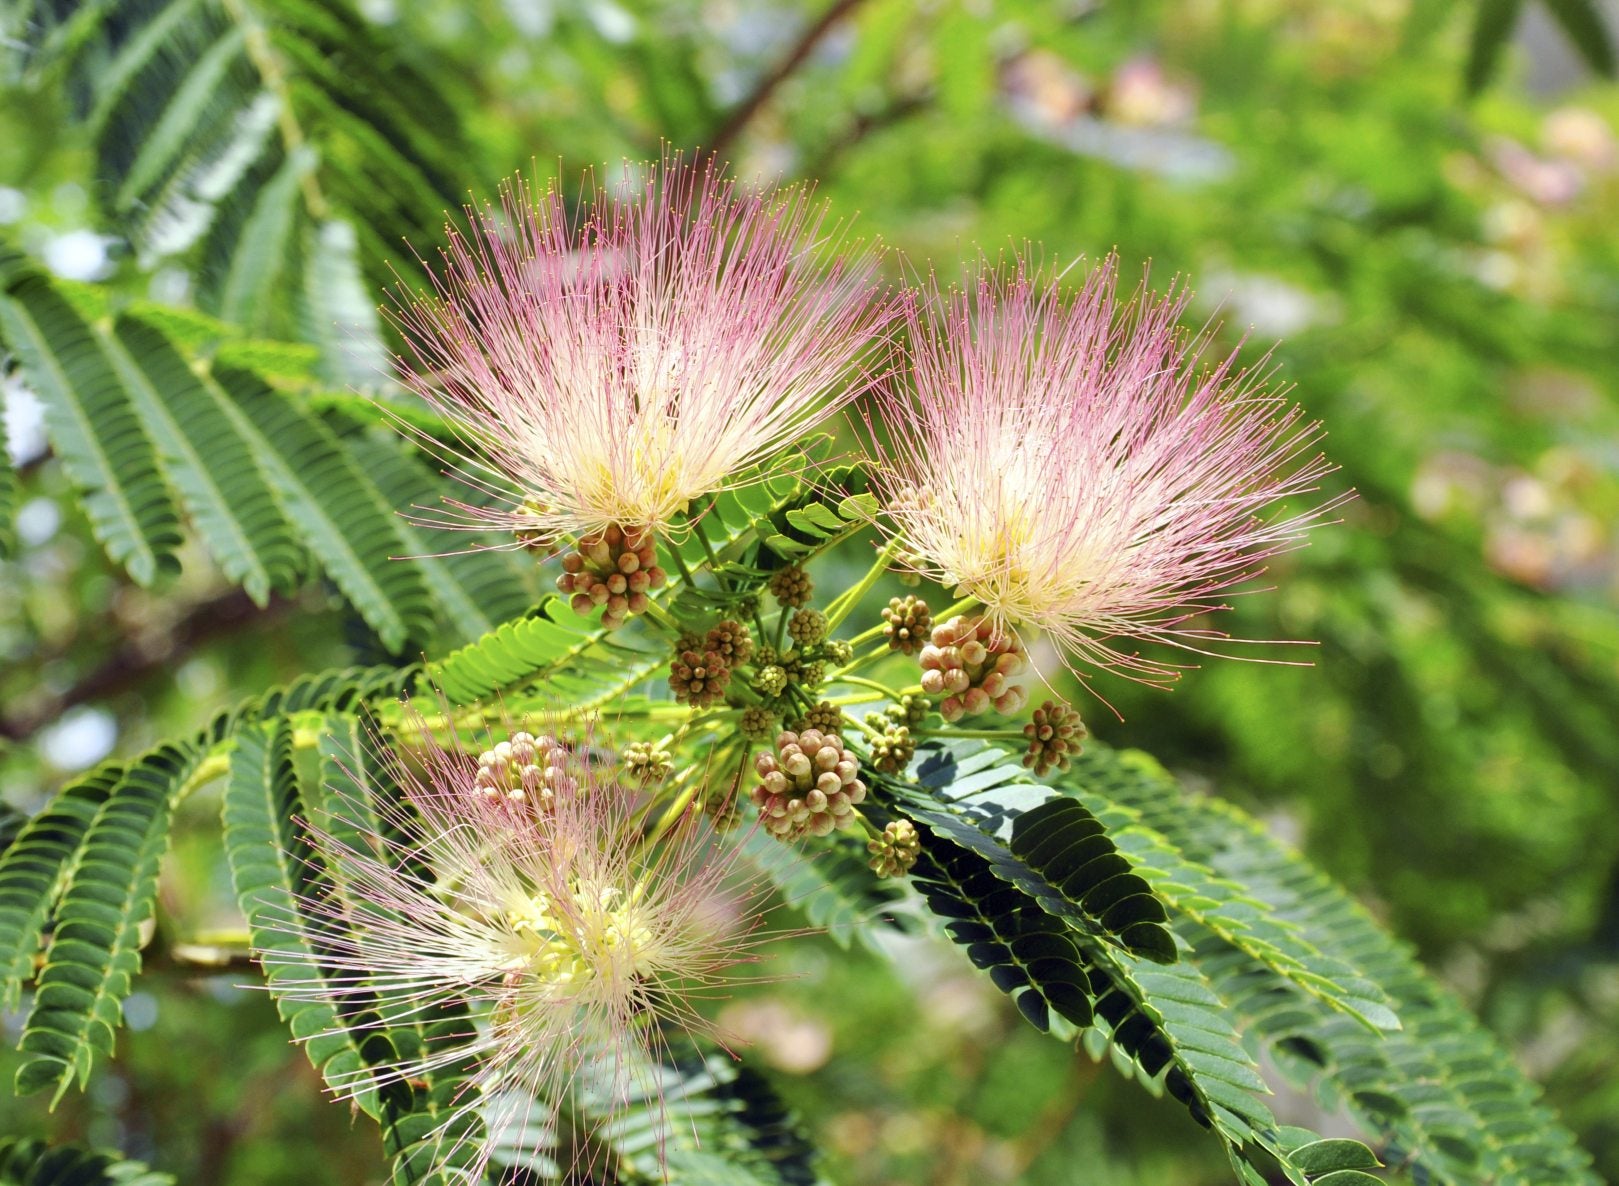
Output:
[[809, 786], [614, 568], [895, 851], [1056, 734], [971, 662], [572, 936], [524, 769], [608, 362], [1065, 462]]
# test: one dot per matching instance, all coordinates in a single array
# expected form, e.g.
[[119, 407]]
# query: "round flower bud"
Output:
[[910, 711], [770, 681], [524, 769], [806, 673], [808, 786], [971, 664], [647, 764], [838, 651], [698, 678], [828, 718], [893, 749], [758, 723], [895, 851], [807, 627], [731, 640], [791, 586], [906, 624], [612, 569], [1056, 734]]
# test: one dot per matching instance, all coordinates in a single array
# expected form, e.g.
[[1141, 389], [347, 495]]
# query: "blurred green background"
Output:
[[1442, 275]]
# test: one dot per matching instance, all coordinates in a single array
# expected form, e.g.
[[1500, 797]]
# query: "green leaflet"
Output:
[[283, 148], [712, 1117], [26, 1161], [91, 424], [272, 865], [343, 518], [31, 872], [475, 587], [276, 870], [836, 890], [94, 951], [208, 460], [579, 662], [1440, 1090], [1044, 899]]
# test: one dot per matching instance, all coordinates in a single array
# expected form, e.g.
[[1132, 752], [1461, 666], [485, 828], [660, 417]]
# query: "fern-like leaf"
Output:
[[580, 662], [341, 515], [283, 147], [90, 423], [207, 459], [1440, 1090], [94, 953], [691, 1118], [476, 588], [1044, 899], [271, 865], [834, 888], [31, 873]]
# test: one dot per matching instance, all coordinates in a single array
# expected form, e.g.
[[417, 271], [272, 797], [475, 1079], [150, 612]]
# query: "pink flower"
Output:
[[612, 365], [1066, 462], [520, 886]]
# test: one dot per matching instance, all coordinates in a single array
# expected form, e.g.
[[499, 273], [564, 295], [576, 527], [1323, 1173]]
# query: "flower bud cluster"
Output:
[[809, 786], [758, 723], [770, 680], [906, 623], [893, 748], [1056, 734], [910, 711], [895, 851], [698, 678], [732, 641], [524, 769], [791, 586], [971, 663], [807, 627], [647, 764], [824, 717], [613, 568]]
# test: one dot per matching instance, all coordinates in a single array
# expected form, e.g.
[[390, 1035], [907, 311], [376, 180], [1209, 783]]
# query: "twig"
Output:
[[742, 114], [134, 660]]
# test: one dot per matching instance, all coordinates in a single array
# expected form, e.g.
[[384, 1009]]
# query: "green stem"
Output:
[[983, 734], [663, 618], [844, 604], [680, 563], [708, 548], [862, 682]]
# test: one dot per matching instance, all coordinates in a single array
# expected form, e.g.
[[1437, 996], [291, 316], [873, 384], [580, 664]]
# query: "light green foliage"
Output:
[[270, 163], [281, 149], [92, 424], [94, 952]]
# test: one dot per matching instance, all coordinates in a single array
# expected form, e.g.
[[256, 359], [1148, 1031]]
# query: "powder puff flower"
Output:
[[518, 892], [609, 366], [1066, 462]]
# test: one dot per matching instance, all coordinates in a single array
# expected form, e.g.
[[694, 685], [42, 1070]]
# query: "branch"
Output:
[[742, 114], [133, 660]]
